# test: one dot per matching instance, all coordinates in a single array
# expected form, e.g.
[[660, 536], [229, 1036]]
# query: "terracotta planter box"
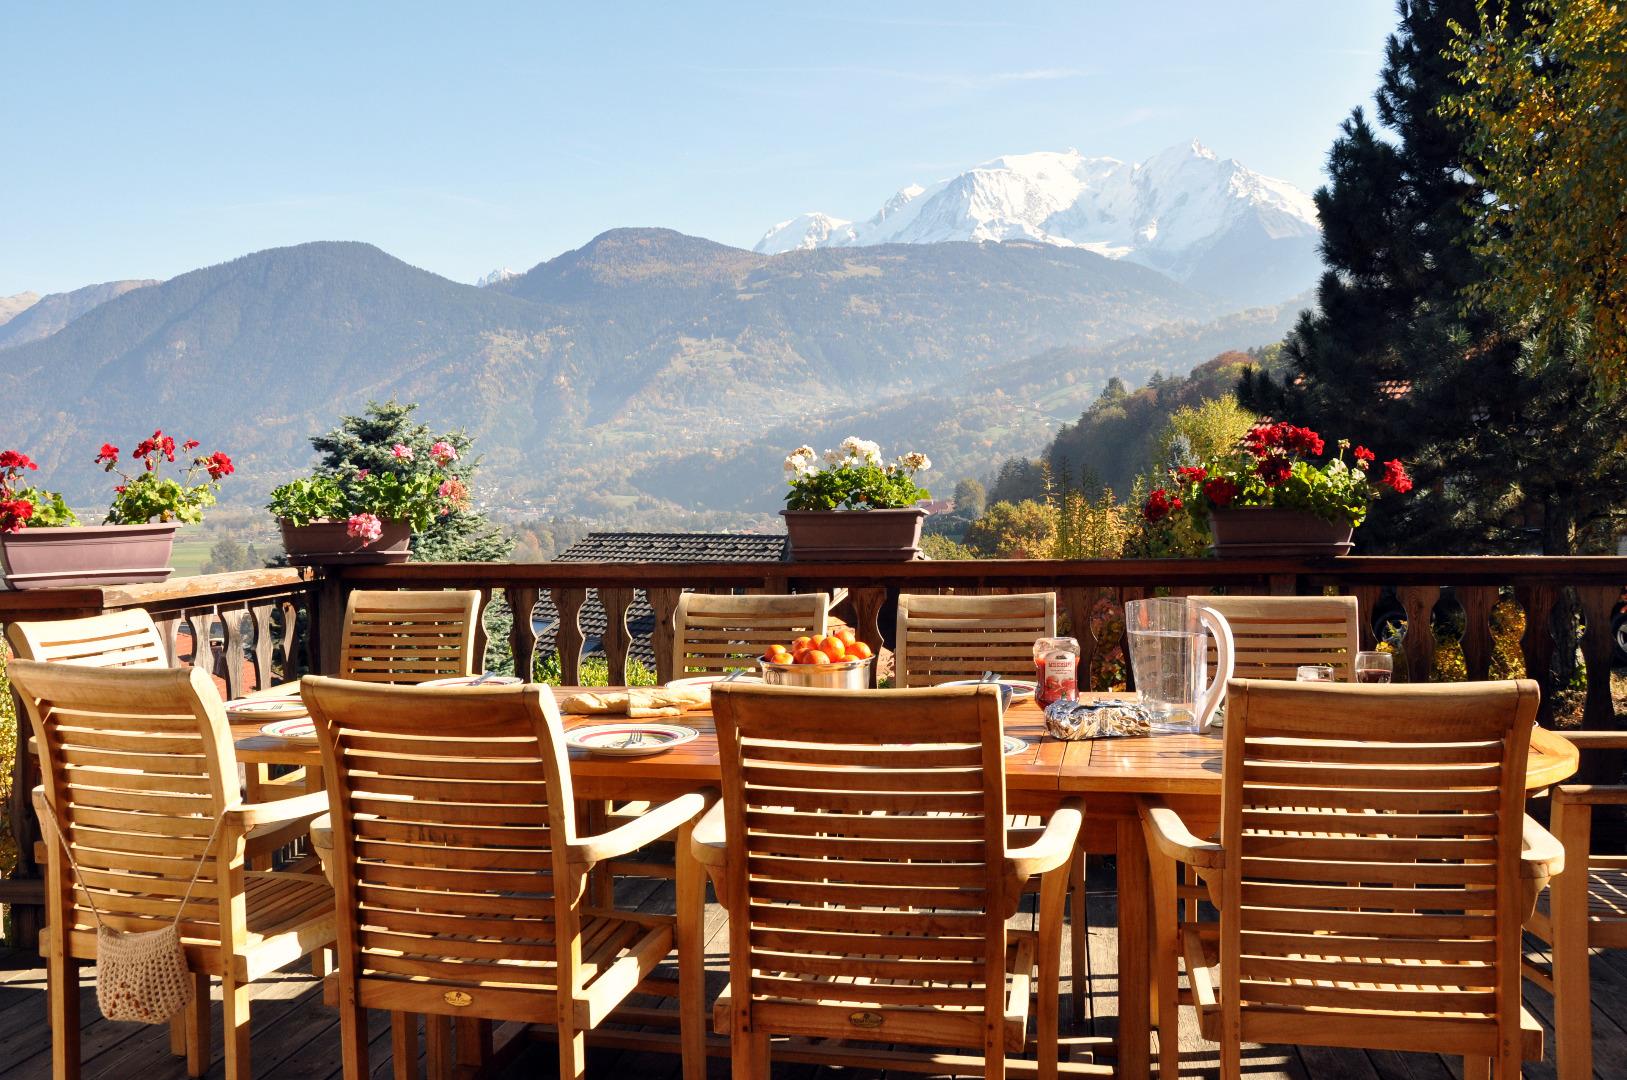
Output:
[[83, 555], [1269, 532], [854, 535], [326, 543]]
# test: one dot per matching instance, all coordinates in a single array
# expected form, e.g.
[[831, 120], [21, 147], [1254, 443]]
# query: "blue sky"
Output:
[[144, 140]]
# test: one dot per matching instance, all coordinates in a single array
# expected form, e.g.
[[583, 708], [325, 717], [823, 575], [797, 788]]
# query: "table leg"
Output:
[[1135, 984]]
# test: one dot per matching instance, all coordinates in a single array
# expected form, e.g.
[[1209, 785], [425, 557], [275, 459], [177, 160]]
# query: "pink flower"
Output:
[[401, 452], [443, 453], [455, 493], [363, 474], [365, 527]]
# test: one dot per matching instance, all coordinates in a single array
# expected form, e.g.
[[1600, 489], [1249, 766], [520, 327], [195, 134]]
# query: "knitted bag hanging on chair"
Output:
[[140, 975]]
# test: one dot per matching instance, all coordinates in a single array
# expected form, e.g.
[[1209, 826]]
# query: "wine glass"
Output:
[[1374, 667], [1314, 673]]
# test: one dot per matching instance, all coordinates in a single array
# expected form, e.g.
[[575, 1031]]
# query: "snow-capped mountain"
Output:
[[497, 277], [1203, 220]]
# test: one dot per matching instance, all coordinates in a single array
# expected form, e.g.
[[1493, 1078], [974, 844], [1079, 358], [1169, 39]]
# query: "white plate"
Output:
[[267, 708], [1020, 688], [708, 680], [294, 731], [610, 740], [469, 680], [1011, 744]]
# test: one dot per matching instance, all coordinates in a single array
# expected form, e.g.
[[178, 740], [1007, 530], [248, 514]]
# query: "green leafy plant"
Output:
[[854, 477], [1272, 469], [150, 496], [24, 506]]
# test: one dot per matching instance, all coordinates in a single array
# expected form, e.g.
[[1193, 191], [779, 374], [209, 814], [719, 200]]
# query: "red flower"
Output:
[[1263, 438], [1220, 491], [190, 444], [1395, 475], [1364, 457], [218, 465], [145, 447], [1274, 470], [108, 455], [167, 445], [1192, 474], [13, 513], [16, 459], [1160, 504]]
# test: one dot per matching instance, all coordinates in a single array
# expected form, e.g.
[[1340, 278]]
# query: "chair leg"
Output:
[[1079, 935], [1166, 964], [195, 1025], [438, 1046], [404, 1045], [1053, 895], [62, 976], [234, 1013], [353, 1039], [1568, 910], [748, 1059], [177, 1034], [1231, 1059], [573, 1049], [691, 912]]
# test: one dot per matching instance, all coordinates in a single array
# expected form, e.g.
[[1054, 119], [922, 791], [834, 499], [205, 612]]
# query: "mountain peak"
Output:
[[496, 277], [1184, 211]]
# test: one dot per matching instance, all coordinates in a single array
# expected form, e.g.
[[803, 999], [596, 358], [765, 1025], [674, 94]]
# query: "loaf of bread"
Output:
[[639, 703]]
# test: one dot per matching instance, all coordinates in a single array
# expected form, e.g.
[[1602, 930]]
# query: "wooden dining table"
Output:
[[1110, 774]]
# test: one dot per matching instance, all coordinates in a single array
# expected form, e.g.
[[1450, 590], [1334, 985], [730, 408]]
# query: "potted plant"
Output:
[[1267, 498], [855, 508], [42, 544], [368, 515]]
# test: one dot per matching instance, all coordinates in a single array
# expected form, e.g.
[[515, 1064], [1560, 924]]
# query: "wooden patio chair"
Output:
[[138, 767], [716, 634], [1273, 635], [943, 638], [1390, 920], [861, 851], [460, 874], [409, 636], [1585, 908]]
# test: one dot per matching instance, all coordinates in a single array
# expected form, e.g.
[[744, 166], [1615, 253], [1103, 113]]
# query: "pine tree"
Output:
[[364, 442], [1507, 447]]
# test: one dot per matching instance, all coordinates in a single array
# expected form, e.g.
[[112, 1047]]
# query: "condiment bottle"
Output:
[[1056, 670]]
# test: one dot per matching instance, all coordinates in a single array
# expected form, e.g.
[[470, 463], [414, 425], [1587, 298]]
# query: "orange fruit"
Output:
[[860, 651], [835, 650], [847, 636], [810, 656], [801, 643]]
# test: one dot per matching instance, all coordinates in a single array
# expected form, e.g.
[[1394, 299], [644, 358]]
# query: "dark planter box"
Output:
[[854, 535], [83, 555], [327, 543], [1268, 531]]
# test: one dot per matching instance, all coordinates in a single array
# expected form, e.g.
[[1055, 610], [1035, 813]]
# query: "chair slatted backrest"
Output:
[[137, 765], [715, 634], [450, 811], [1402, 895], [944, 638], [1273, 635], [409, 636], [867, 846], [117, 639]]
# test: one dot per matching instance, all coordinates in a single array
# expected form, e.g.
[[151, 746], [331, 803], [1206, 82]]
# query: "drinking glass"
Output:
[[1374, 667], [1314, 673], [1169, 651]]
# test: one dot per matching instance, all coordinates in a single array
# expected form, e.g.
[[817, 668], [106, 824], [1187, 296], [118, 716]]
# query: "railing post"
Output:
[[1537, 644], [616, 639], [568, 635], [1419, 644], [522, 631], [664, 603], [327, 622], [1478, 602], [867, 605]]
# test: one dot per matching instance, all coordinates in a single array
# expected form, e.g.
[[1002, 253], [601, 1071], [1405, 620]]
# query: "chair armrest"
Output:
[[1595, 740], [1542, 856], [277, 811], [1053, 848], [1169, 834], [709, 842], [661, 821], [1594, 794]]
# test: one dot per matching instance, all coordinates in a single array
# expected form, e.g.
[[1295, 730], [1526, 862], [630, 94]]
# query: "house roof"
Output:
[[646, 547]]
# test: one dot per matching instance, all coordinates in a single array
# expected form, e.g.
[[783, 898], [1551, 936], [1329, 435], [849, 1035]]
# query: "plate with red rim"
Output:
[[470, 680], [708, 680], [633, 738], [1020, 688], [285, 707], [298, 730]]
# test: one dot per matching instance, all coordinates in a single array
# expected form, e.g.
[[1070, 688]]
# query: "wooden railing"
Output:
[[275, 623]]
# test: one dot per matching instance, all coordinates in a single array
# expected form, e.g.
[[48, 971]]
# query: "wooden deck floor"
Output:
[[296, 1037]]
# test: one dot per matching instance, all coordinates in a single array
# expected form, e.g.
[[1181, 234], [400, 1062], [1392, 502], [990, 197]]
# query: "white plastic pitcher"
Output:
[[1169, 657]]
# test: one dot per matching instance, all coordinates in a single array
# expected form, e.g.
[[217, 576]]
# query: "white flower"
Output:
[[832, 457], [915, 461], [861, 451]]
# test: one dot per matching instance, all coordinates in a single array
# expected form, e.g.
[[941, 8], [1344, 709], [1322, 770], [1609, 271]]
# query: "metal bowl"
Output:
[[847, 675]]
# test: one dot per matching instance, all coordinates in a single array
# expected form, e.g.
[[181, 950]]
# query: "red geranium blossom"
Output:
[[1363, 456], [218, 464], [15, 459], [13, 513], [1160, 504], [108, 455], [1220, 490], [1274, 470], [1395, 475], [1194, 474]]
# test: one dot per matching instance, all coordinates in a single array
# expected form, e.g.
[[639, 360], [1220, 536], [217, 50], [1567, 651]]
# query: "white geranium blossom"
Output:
[[915, 461], [861, 451]]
